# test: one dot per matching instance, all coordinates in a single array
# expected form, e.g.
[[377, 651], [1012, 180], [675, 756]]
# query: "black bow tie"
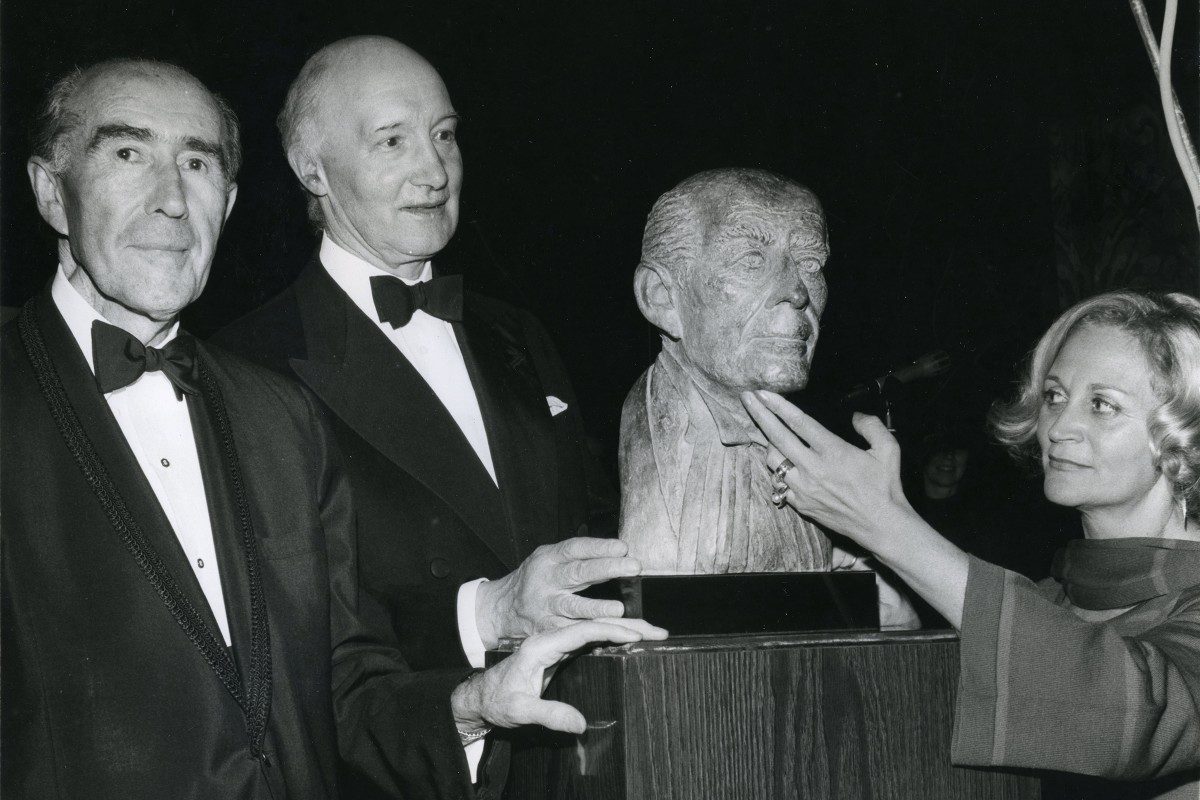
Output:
[[121, 359], [396, 301]]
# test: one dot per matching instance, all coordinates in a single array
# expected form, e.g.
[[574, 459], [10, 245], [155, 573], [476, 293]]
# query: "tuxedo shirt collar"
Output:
[[79, 315], [429, 344], [353, 274]]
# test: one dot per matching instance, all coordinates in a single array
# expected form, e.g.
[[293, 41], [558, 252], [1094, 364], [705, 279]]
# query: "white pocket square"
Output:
[[556, 406]]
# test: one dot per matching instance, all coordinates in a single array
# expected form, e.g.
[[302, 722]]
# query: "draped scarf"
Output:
[[1115, 573]]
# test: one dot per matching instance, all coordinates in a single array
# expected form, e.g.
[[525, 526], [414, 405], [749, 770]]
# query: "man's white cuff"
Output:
[[468, 632], [474, 754]]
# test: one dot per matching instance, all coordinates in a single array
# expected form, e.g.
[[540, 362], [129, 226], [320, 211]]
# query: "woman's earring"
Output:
[[1183, 502]]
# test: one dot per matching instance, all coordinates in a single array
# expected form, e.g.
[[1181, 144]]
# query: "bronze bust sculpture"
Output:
[[731, 275]]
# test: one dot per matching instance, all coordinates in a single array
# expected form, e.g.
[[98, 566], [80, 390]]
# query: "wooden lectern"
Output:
[[819, 715]]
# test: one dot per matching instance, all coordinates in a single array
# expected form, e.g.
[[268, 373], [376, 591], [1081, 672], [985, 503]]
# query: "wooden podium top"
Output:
[[698, 644]]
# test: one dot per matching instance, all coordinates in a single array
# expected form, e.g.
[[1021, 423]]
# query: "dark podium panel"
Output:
[[748, 603], [851, 715]]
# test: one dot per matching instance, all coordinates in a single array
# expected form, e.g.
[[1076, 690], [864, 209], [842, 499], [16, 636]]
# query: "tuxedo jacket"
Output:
[[430, 517], [116, 680]]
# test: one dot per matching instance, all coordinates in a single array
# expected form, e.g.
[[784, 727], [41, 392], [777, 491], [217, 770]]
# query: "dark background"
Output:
[[931, 131]]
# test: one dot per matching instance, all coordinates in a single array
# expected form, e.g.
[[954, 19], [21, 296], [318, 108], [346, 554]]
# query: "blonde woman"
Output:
[[1097, 670]]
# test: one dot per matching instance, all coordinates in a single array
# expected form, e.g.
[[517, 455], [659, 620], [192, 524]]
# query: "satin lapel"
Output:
[[109, 442], [373, 388], [518, 422], [235, 584], [233, 529]]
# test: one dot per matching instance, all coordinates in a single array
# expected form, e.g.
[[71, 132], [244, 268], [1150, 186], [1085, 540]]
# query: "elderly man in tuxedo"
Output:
[[463, 440], [179, 607]]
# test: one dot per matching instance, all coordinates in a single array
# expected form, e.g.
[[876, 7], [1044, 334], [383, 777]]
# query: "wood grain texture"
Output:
[[843, 716]]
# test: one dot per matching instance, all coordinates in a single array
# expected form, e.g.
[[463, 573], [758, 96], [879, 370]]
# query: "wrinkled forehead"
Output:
[[169, 103], [381, 88], [796, 222]]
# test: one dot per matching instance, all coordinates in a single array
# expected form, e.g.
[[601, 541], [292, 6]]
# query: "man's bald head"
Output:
[[341, 67], [370, 131]]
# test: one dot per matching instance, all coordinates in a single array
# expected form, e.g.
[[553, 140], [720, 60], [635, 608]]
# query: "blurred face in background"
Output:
[[944, 470]]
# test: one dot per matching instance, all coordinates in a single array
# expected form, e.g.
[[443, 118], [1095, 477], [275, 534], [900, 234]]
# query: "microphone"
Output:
[[927, 366]]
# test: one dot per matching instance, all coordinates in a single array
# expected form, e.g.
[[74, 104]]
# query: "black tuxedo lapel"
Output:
[[237, 549], [356, 371], [518, 422], [101, 427], [235, 584]]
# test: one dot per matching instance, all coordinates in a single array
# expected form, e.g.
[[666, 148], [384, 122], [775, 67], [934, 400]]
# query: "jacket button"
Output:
[[439, 567]]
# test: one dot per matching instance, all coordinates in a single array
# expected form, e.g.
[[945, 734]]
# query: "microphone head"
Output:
[[927, 366], [869, 397], [862, 393]]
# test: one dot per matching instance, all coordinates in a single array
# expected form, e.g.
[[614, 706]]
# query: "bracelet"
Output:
[[469, 737]]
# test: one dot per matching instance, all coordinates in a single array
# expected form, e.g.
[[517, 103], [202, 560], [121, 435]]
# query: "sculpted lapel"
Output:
[[373, 388]]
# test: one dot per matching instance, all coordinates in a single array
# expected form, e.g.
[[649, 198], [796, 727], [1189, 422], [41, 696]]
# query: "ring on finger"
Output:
[[782, 470], [779, 497]]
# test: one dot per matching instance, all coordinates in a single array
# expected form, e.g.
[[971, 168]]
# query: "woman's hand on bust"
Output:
[[857, 493], [853, 491]]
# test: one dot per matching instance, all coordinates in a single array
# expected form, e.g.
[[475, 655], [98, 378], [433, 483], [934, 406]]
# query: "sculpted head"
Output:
[[134, 166], [369, 130], [731, 273]]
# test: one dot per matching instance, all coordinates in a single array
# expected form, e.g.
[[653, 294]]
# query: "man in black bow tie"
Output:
[[464, 442], [178, 569]]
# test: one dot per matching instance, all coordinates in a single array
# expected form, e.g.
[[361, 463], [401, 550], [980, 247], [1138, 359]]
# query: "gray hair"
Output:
[[298, 111], [55, 122], [52, 132], [676, 224]]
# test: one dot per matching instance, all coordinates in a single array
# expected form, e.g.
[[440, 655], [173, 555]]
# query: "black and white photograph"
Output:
[[625, 401]]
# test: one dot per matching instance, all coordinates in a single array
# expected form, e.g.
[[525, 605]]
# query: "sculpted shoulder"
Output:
[[646, 524]]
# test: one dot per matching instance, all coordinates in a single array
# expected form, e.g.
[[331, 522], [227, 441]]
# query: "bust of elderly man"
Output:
[[731, 275]]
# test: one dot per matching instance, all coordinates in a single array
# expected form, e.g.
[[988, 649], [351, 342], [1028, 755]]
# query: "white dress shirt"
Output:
[[427, 342], [431, 347], [157, 427]]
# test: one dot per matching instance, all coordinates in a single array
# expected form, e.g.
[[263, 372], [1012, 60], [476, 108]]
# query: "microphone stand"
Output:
[[887, 388]]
